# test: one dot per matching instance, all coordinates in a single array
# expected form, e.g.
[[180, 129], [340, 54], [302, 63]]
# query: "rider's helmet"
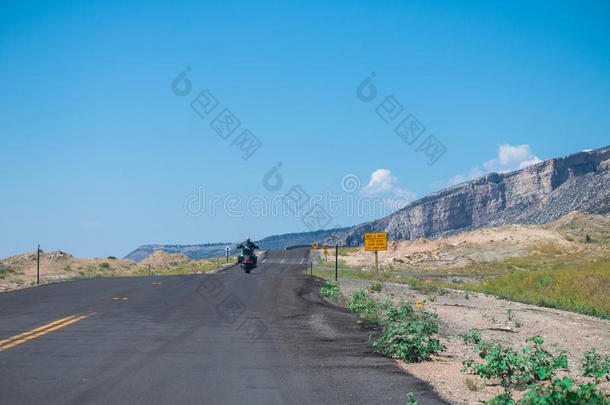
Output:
[[247, 239]]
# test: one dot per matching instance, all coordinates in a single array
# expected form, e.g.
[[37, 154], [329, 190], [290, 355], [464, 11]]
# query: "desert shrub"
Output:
[[377, 286], [4, 270], [412, 341], [104, 266], [472, 336], [540, 365], [534, 367], [111, 258], [596, 365], [472, 385], [562, 391], [330, 289], [366, 306], [402, 312]]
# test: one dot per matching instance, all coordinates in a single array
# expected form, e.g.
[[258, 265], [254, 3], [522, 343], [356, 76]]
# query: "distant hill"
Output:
[[206, 250], [195, 252], [538, 194]]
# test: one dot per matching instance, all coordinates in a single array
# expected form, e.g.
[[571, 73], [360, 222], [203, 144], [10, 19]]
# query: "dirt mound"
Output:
[[569, 233], [20, 270], [160, 258], [26, 259]]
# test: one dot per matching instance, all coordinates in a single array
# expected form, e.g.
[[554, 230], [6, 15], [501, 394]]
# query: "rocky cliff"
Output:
[[538, 194]]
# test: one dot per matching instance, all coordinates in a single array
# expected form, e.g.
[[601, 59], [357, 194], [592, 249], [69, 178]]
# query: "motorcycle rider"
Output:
[[248, 248]]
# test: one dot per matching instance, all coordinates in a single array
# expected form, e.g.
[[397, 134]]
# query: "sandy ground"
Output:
[[58, 265], [488, 244], [458, 312]]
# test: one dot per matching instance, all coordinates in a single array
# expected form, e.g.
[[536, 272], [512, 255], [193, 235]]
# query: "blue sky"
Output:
[[99, 155]]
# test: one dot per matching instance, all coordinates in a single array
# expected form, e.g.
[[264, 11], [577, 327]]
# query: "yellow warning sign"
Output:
[[376, 241]]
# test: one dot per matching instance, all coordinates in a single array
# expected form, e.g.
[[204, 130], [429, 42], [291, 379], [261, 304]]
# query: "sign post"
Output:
[[227, 251], [336, 262], [38, 266], [376, 242]]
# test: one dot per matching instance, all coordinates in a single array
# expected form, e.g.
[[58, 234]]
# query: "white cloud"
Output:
[[381, 181], [509, 158], [383, 184]]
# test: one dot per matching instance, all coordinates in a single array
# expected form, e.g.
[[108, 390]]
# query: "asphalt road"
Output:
[[227, 338]]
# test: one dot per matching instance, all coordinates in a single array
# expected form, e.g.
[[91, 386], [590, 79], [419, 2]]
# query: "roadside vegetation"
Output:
[[409, 334], [564, 264], [582, 286], [79, 269], [534, 370], [529, 374]]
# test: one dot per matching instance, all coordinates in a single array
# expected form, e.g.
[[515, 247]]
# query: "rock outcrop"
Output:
[[538, 194]]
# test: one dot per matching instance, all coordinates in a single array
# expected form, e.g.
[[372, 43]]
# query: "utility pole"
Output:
[[336, 262], [149, 270], [38, 265], [227, 249]]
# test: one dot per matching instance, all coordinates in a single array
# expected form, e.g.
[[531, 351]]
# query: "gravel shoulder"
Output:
[[460, 311]]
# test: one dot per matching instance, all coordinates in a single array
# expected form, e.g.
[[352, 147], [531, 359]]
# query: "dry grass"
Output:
[[574, 280], [583, 288]]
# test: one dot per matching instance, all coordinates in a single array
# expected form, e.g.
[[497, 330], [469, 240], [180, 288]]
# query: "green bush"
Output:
[[104, 266], [407, 334], [411, 341], [377, 286], [473, 336], [540, 364], [596, 366], [330, 290], [366, 306], [535, 368], [560, 392], [403, 312]]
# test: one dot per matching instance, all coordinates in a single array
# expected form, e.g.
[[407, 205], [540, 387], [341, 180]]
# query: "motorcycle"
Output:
[[247, 262]]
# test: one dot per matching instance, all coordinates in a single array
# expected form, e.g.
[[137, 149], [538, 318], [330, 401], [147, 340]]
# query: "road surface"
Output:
[[227, 338]]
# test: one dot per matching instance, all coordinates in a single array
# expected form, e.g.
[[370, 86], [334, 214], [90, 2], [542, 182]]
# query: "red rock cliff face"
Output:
[[538, 194]]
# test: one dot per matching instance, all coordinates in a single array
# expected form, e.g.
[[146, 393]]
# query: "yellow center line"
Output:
[[35, 330], [45, 331]]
